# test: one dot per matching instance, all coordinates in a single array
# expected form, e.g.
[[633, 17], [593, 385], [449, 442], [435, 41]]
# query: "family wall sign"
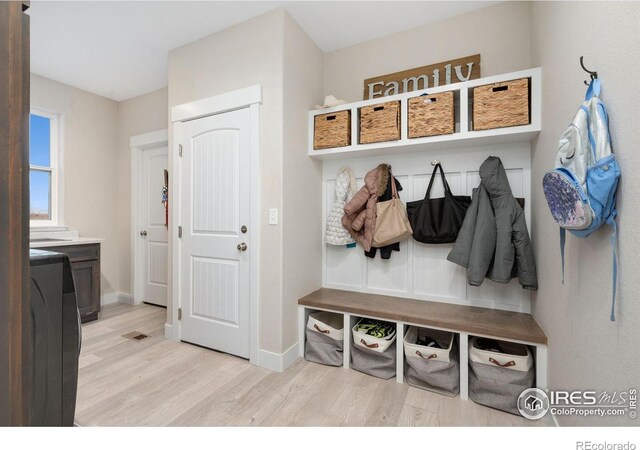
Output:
[[446, 72]]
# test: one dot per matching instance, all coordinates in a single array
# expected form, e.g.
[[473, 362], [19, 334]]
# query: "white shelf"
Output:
[[462, 138]]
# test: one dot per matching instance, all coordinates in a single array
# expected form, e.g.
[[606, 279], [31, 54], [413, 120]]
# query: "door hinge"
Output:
[[180, 232], [180, 150], [179, 313]]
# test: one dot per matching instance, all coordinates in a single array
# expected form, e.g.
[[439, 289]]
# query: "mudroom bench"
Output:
[[463, 321]]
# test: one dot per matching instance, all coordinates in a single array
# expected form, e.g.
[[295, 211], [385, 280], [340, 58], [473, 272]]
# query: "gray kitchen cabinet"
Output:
[[85, 266]]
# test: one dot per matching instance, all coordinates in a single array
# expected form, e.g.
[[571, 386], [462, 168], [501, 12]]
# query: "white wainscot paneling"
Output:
[[419, 270], [391, 275], [499, 296], [434, 276], [343, 266]]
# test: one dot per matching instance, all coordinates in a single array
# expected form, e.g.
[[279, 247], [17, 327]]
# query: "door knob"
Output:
[[143, 233], [242, 247]]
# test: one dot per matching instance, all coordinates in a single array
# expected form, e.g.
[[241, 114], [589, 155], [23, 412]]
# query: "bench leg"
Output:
[[346, 344], [464, 366], [302, 324], [541, 367], [399, 352]]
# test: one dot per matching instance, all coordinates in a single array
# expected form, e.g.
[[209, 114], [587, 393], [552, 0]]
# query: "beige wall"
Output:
[[586, 350], [273, 51], [97, 166], [501, 34], [137, 115], [244, 55], [302, 176], [90, 164]]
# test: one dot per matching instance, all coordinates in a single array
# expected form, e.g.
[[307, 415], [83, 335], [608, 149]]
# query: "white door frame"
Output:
[[250, 97], [139, 144]]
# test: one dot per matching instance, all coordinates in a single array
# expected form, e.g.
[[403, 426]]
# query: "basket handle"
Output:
[[507, 364], [423, 357], [363, 342], [315, 325]]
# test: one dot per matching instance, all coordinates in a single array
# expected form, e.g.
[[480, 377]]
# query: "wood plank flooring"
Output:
[[157, 382]]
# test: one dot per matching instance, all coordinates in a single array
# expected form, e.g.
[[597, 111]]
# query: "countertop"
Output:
[[43, 243]]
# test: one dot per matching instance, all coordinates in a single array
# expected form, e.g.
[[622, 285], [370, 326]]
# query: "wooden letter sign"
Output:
[[447, 72]]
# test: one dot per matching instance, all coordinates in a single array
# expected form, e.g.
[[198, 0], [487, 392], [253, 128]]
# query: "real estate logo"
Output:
[[533, 403]]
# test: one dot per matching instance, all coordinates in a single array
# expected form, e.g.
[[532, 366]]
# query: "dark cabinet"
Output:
[[85, 266]]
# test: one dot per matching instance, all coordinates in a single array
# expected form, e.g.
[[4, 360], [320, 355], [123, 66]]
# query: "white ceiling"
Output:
[[119, 49]]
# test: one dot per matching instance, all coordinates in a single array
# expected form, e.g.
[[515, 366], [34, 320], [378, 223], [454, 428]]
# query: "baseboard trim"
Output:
[[125, 299], [278, 362], [117, 297], [109, 299], [170, 332]]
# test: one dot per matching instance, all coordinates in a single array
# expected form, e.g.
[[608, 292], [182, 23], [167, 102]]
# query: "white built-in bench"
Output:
[[463, 320]]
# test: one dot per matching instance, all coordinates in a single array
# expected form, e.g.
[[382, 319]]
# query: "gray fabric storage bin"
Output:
[[381, 365], [433, 375], [433, 368], [325, 338], [498, 387], [322, 349]]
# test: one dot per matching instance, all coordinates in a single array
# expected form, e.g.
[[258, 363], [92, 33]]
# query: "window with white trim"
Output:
[[43, 169]]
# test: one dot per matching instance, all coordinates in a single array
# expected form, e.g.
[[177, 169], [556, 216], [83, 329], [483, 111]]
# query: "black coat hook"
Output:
[[592, 74]]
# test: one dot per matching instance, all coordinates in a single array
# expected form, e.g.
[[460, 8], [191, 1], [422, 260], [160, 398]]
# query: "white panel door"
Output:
[[215, 244], [155, 259]]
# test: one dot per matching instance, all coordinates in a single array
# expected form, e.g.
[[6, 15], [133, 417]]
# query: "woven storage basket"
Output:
[[332, 130], [501, 105], [380, 123], [431, 115]]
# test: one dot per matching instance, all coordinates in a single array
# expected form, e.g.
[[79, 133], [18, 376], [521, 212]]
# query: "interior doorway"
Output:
[[149, 215]]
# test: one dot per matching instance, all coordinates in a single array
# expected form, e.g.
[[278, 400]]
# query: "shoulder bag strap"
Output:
[[447, 189], [394, 190]]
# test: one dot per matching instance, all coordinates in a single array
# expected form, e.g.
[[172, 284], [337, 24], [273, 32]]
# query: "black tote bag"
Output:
[[438, 220]]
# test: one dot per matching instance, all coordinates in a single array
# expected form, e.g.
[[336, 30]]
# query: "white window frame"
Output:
[[55, 169]]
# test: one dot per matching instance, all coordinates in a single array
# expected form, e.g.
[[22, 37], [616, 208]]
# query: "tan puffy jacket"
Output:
[[360, 213]]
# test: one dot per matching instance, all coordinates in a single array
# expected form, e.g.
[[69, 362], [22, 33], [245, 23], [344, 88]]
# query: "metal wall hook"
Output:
[[435, 162], [592, 74]]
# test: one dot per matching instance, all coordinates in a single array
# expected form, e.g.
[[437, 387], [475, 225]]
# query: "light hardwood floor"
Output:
[[157, 382]]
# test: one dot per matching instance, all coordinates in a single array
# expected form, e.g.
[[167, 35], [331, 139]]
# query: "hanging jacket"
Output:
[[360, 213], [494, 241], [345, 186], [385, 252]]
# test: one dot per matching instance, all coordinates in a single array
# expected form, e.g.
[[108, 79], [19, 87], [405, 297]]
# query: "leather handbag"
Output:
[[438, 220], [392, 223]]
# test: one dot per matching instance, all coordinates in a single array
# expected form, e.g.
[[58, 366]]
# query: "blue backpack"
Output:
[[581, 190]]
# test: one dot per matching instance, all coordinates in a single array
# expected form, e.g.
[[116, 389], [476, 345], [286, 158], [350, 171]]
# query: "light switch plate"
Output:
[[273, 216]]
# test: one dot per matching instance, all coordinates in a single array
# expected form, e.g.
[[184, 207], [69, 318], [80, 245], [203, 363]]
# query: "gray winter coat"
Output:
[[493, 241]]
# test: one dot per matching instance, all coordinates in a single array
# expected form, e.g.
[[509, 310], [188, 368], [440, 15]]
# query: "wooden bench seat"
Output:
[[507, 325]]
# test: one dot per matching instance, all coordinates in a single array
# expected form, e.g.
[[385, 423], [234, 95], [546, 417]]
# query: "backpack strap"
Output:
[[593, 90], [563, 239], [614, 248]]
